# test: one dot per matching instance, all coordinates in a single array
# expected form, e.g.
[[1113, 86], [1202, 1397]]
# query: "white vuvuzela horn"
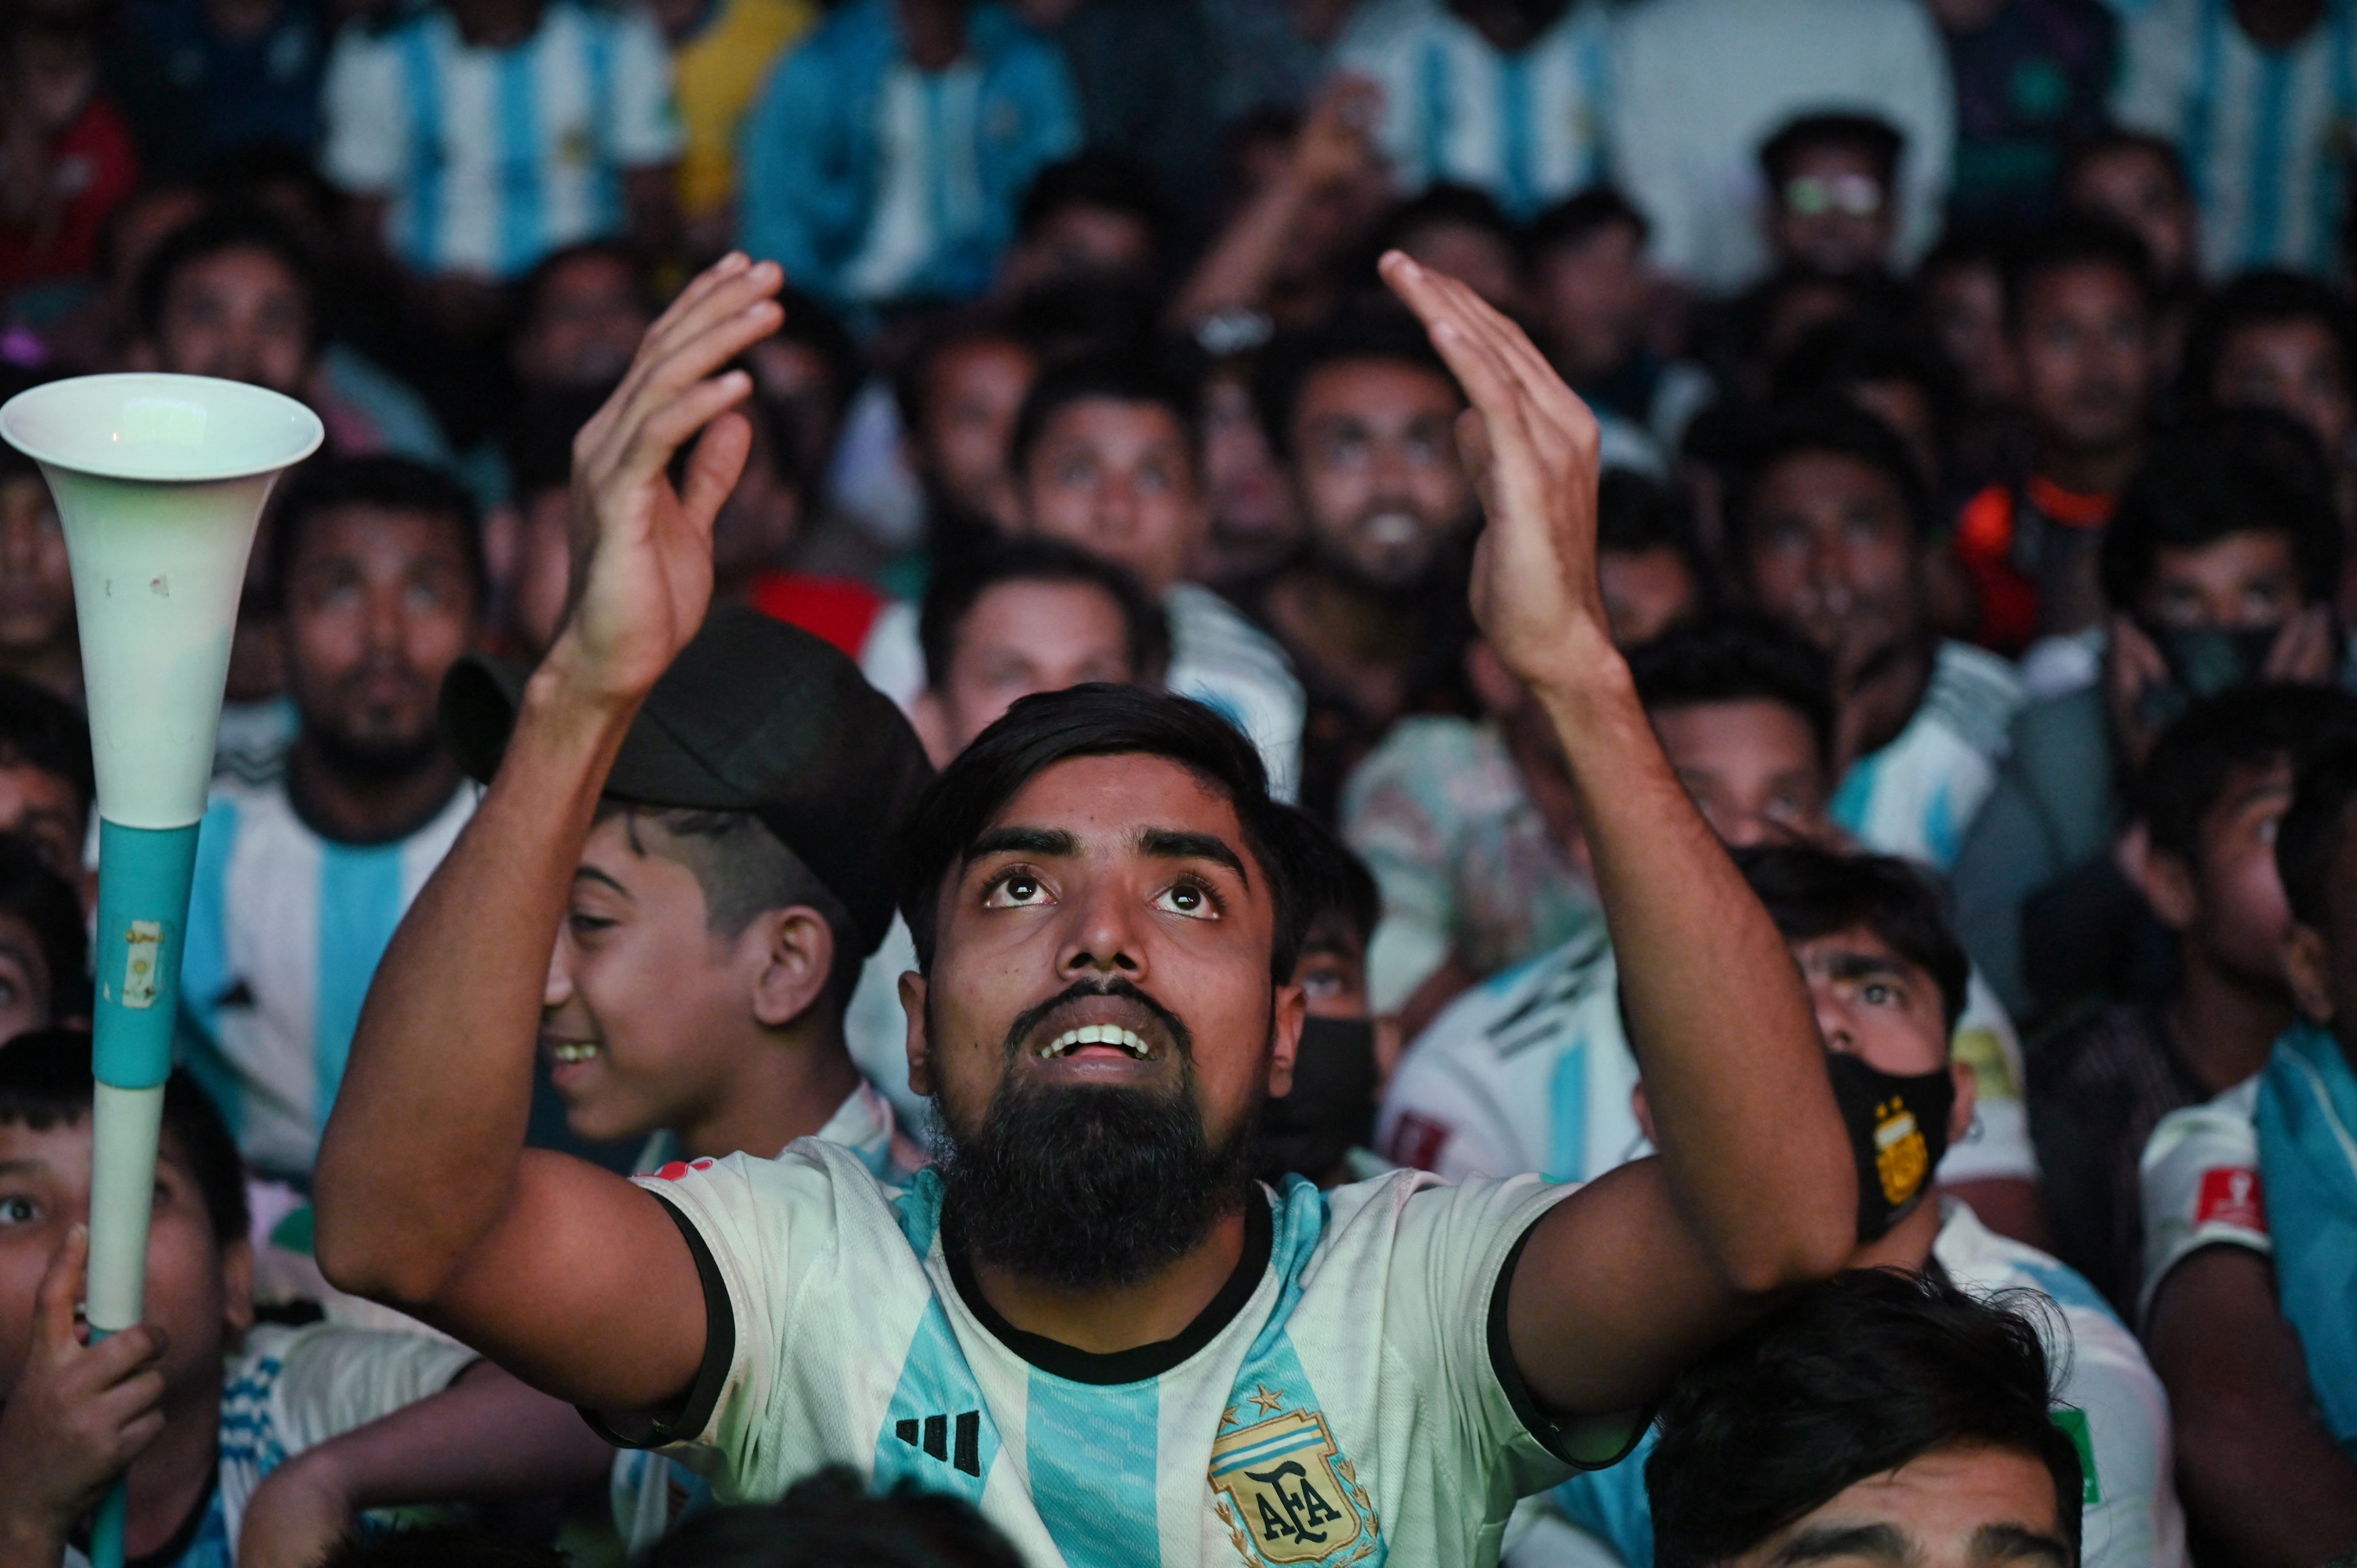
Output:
[[159, 482]]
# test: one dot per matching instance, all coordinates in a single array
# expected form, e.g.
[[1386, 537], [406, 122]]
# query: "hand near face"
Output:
[[1531, 446]]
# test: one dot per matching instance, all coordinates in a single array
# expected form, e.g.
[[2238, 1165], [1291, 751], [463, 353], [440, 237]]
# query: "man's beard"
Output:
[[1089, 1187], [376, 758]]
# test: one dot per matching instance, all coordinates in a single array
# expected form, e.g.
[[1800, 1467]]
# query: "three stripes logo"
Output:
[[933, 1435]]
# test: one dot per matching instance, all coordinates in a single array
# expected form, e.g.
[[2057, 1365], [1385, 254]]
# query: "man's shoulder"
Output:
[[1976, 693], [1979, 1258]]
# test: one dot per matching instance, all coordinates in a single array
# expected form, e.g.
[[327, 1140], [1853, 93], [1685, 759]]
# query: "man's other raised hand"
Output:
[[643, 546]]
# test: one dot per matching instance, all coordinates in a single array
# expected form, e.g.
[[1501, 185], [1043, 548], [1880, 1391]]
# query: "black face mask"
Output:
[[1332, 1104], [1897, 1130], [2203, 662]]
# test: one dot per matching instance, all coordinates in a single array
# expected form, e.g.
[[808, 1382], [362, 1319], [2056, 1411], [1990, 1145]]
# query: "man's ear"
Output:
[[1291, 1009], [912, 1003], [2164, 879], [2309, 969], [237, 1290], [1968, 1094], [798, 958]]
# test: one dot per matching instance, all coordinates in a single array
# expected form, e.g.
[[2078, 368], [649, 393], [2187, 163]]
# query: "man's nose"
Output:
[[1102, 937]]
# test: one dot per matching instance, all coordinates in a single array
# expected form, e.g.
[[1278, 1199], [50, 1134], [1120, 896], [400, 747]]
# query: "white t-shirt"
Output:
[[2201, 1180], [1317, 1412], [1530, 1071], [1236, 670], [1917, 796]]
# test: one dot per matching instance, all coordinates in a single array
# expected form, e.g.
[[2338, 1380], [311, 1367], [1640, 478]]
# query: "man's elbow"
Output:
[[1804, 1243], [368, 1249]]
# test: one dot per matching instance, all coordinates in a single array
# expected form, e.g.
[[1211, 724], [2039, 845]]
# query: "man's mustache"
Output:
[[1031, 1018]]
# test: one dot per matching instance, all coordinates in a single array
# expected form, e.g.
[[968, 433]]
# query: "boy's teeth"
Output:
[[574, 1051], [1097, 1035]]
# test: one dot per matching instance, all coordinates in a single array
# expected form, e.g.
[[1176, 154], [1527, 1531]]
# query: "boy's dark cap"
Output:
[[754, 716]]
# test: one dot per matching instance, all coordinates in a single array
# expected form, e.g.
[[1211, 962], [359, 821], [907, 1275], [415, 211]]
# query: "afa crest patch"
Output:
[[1287, 1496]]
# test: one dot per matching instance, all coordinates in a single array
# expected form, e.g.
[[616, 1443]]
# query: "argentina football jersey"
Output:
[[1351, 1374]]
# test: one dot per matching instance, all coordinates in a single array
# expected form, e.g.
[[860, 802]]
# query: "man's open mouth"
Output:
[[1111, 1035], [565, 1053]]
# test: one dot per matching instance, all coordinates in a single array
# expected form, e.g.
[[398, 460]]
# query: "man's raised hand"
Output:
[[643, 546], [1530, 445]]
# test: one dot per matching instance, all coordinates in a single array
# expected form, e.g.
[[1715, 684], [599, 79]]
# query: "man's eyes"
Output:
[[17, 1210], [1191, 900], [1013, 890]]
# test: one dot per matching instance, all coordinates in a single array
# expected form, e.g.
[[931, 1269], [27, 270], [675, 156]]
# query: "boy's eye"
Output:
[[1015, 890], [18, 1210], [1188, 898], [1876, 993]]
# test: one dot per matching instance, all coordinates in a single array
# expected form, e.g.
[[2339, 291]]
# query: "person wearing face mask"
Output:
[[2219, 569], [1888, 978]]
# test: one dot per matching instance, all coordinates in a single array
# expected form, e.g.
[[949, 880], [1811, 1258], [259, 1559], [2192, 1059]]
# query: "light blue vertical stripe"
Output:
[[360, 905], [606, 179], [522, 200], [1091, 1453], [933, 90], [425, 141], [205, 976], [1434, 124], [1515, 131], [2329, 181], [1568, 1097], [937, 1384], [1855, 797], [2270, 138]]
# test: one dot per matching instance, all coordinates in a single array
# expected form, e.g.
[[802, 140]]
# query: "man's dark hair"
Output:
[[2308, 839], [912, 375], [1578, 219], [45, 1083], [442, 1546], [829, 1520], [31, 889], [1737, 658], [1843, 1380], [811, 324], [1335, 883], [1829, 427], [620, 252], [1811, 893], [2068, 244], [234, 227], [539, 439], [2108, 142], [2265, 298], [2244, 470], [1097, 720], [1881, 142], [2249, 726], [393, 484], [950, 598], [1860, 350], [42, 731], [1109, 181], [1446, 205], [1282, 370], [1121, 379]]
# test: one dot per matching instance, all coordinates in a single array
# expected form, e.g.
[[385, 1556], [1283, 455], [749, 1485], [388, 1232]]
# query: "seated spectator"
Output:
[[1698, 85], [1832, 193], [2249, 1244], [47, 785], [1144, 71], [2139, 183], [1508, 99], [1460, 231], [1104, 457], [44, 948], [1255, 521], [463, 179], [958, 394], [1882, 369], [2284, 342], [1532, 1070], [1960, 306], [2218, 570], [1648, 566], [37, 641], [1096, 216], [377, 568], [1364, 416], [69, 158], [850, 148], [528, 540], [1592, 290], [2209, 801], [830, 1520], [1830, 533], [2080, 307], [808, 373], [721, 53], [1899, 1416], [579, 315], [2030, 79], [1319, 1128], [252, 68], [1887, 978]]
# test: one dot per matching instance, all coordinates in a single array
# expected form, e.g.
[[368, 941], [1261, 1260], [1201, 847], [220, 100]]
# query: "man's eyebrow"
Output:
[[1053, 843], [1171, 844], [1877, 1543], [1859, 966], [2018, 1544], [22, 1167], [591, 874]]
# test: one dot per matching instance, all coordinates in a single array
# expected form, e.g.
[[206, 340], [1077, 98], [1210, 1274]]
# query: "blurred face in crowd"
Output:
[[1752, 766], [1481, 258], [2294, 366], [2229, 902], [2245, 582], [37, 608], [1592, 295], [1021, 638], [762, 517], [1646, 592], [238, 314], [2322, 965], [1118, 480], [1965, 304], [1376, 468], [798, 386], [1079, 240], [1256, 524], [379, 605], [27, 990], [1831, 550], [47, 813], [2136, 188], [1960, 1506], [974, 390], [585, 325], [2083, 342], [1832, 210]]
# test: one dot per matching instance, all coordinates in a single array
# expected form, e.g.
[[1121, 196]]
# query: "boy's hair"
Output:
[[1832, 427], [2070, 242], [1283, 369], [1635, 514], [42, 731], [1447, 204], [2246, 470], [745, 870], [830, 1520], [1097, 720], [1121, 379], [2250, 726], [233, 226], [621, 252], [46, 902], [952, 596], [2308, 840], [811, 324], [1976, 245], [1736, 658], [1335, 883], [1109, 181], [393, 484], [1578, 219], [441, 1546], [1811, 893], [45, 1083], [2263, 298], [1843, 1380], [1880, 141], [2104, 144]]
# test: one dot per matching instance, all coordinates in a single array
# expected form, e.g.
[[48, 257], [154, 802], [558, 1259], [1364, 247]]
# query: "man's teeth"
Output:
[[1097, 1035], [572, 1051]]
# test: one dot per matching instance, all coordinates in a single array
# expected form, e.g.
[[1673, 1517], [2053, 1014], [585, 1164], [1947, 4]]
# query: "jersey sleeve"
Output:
[[333, 1379], [2115, 1411], [367, 115], [646, 128], [2201, 1183]]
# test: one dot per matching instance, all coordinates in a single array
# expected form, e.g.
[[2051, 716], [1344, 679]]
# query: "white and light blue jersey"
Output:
[[285, 932], [2267, 134], [1231, 666], [491, 159], [1527, 127], [1916, 797], [1339, 1388]]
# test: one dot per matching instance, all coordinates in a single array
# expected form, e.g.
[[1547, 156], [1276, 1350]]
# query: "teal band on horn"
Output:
[[143, 917]]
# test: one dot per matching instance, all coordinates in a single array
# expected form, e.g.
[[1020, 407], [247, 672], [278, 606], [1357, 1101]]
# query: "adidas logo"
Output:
[[932, 1434]]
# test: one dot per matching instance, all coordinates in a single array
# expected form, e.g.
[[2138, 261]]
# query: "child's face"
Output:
[[28, 993], [1117, 480], [198, 1291], [1333, 971]]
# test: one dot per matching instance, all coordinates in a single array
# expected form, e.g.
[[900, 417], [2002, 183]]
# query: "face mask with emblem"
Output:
[[1897, 1130], [2203, 662]]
